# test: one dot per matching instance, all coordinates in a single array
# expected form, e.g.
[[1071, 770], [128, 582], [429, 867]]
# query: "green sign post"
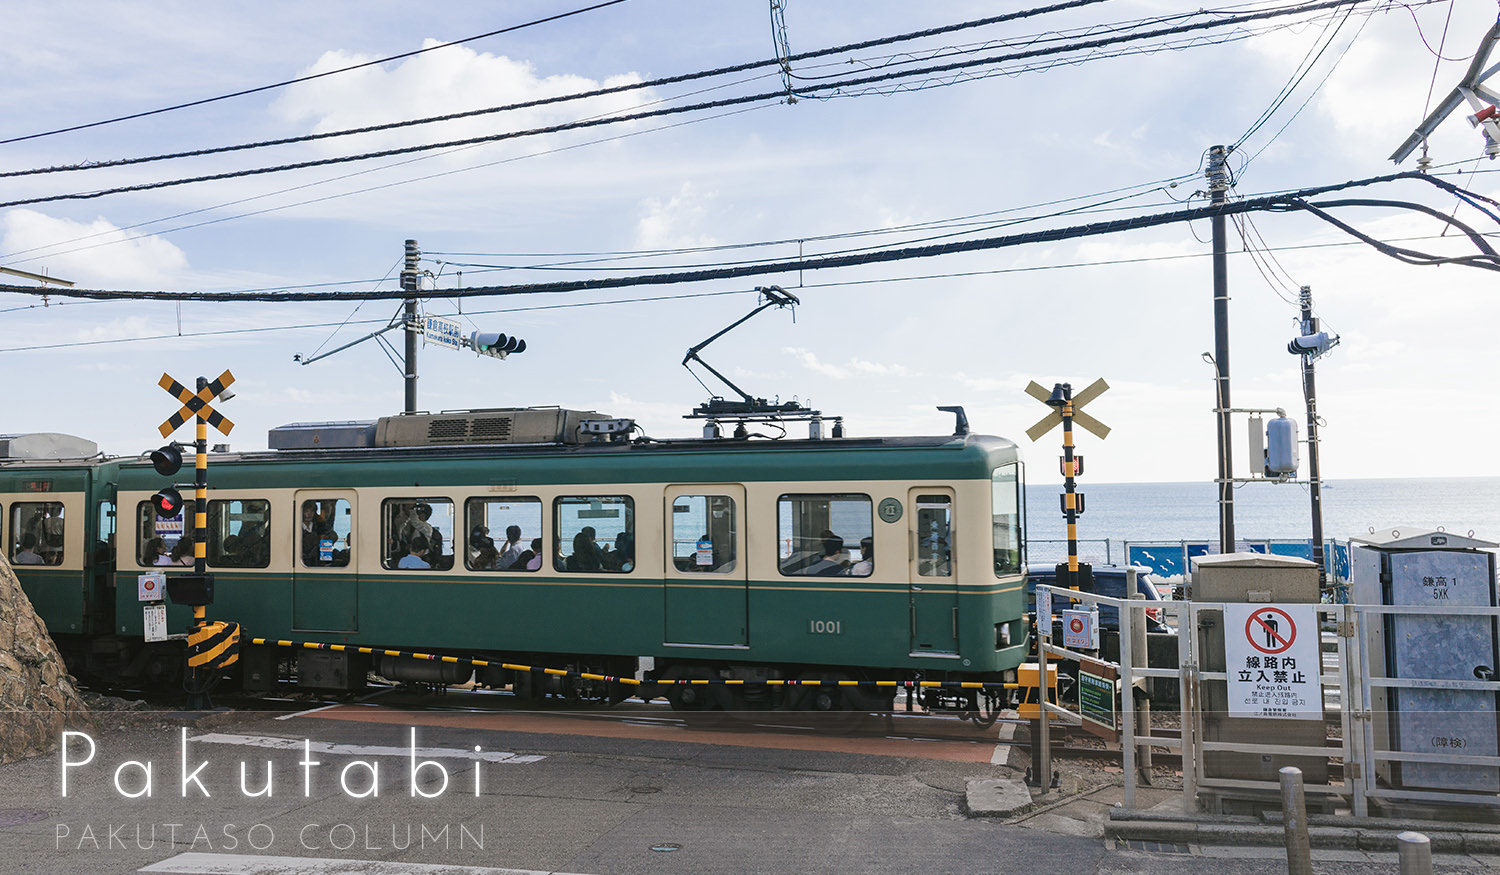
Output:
[[1096, 699]]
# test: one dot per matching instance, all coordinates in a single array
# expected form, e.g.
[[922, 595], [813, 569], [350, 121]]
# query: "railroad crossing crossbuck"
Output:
[[212, 646]]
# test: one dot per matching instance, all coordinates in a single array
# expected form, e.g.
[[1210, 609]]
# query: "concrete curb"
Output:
[[1323, 837], [1125, 814], [1348, 820]]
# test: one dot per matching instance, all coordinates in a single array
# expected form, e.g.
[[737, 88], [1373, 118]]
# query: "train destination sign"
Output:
[[1272, 661]]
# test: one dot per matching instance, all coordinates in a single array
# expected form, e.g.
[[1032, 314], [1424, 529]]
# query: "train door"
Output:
[[325, 571], [934, 590], [705, 586]]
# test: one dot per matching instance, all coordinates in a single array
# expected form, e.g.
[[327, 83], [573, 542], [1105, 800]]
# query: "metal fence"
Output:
[[1095, 551], [1373, 745], [1169, 559]]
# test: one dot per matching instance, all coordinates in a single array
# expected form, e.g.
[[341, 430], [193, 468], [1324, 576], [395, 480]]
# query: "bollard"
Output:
[[1294, 818], [1415, 853]]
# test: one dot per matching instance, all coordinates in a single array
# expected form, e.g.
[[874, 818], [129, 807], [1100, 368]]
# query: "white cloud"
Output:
[[855, 367], [456, 79], [675, 223], [147, 260]]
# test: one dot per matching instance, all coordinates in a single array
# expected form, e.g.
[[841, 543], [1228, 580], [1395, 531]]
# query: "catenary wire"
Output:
[[581, 95], [689, 295], [1310, 95], [313, 76], [615, 119], [343, 194], [1314, 53], [1294, 200]]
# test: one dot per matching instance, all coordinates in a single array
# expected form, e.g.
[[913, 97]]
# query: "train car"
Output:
[[513, 534], [57, 517]]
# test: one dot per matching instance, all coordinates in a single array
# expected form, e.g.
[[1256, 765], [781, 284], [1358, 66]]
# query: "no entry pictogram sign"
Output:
[[1270, 630], [1272, 661]]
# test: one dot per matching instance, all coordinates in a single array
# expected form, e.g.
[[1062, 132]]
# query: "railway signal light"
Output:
[[167, 460], [496, 344], [167, 502]]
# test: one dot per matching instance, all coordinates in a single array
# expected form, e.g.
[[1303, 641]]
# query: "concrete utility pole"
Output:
[[409, 282], [1217, 173], [1310, 392]]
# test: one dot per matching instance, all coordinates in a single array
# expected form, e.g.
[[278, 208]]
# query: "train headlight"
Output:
[[1002, 636]]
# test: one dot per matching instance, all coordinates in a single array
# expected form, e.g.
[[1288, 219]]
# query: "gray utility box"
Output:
[[1259, 578], [1441, 569]]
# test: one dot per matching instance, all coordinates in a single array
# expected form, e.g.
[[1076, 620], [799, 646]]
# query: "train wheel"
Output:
[[702, 705], [831, 707]]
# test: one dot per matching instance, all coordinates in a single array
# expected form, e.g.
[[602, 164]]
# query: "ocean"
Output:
[[1188, 511]]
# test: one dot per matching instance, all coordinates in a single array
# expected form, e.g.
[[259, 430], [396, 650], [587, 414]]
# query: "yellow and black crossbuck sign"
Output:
[[1054, 419], [196, 403]]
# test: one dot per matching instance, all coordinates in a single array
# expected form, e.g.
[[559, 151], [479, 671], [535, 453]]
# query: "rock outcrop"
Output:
[[38, 698]]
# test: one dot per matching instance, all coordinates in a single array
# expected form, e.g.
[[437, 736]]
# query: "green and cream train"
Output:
[[523, 535]]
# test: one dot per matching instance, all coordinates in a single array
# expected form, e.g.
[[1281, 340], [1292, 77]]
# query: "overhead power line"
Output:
[[311, 77], [867, 281], [715, 104], [1295, 200], [566, 98]]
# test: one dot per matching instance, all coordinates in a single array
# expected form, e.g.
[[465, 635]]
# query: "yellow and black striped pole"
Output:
[[200, 499], [1070, 495]]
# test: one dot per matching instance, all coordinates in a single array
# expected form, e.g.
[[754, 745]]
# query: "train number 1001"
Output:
[[825, 627]]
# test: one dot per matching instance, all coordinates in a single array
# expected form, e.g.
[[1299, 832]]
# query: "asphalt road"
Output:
[[629, 792]]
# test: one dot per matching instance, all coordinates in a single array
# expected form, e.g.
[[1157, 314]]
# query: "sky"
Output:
[[1408, 393]]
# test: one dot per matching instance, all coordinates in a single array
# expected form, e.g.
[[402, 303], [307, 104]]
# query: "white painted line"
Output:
[[249, 864], [360, 701], [1007, 734], [376, 750], [308, 711]]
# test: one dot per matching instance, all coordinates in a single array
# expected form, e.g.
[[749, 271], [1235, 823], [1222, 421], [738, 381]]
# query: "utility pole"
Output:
[[1310, 392], [1217, 174], [409, 282]]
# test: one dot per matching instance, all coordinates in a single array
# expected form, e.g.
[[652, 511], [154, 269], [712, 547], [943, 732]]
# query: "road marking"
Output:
[[249, 864], [1001, 756], [376, 750], [975, 750], [309, 711]]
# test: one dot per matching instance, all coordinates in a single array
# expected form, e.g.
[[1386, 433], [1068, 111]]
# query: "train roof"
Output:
[[950, 457]]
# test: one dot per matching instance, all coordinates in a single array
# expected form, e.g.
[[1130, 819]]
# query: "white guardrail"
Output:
[[1365, 746]]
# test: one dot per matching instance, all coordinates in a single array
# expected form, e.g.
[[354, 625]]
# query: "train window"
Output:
[[163, 540], [825, 535], [934, 536], [703, 533], [504, 534], [237, 533], [36, 535], [325, 533], [104, 550], [418, 533], [594, 534], [1005, 509]]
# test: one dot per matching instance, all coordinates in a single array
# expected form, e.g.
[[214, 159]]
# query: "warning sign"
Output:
[[1272, 660], [154, 621], [1080, 629], [151, 586]]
